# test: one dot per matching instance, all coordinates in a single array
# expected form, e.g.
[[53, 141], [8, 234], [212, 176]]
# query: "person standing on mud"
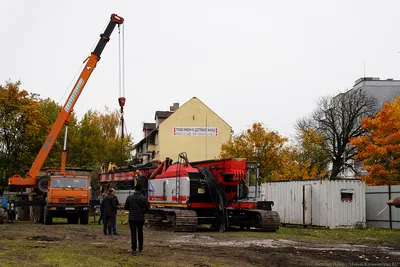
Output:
[[3, 203], [101, 219], [137, 205], [114, 223], [110, 211], [11, 210]]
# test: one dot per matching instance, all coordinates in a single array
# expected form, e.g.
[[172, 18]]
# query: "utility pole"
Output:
[[206, 137]]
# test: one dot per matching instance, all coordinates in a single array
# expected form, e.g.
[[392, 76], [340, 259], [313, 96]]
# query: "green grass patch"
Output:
[[62, 244]]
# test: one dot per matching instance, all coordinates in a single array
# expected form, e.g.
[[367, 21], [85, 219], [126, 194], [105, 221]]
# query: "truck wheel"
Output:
[[43, 184], [84, 217], [47, 216]]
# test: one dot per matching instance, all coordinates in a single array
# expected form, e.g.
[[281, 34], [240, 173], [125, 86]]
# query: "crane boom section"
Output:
[[67, 109]]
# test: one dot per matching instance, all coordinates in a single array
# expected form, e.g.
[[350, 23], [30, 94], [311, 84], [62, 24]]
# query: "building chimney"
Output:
[[176, 106]]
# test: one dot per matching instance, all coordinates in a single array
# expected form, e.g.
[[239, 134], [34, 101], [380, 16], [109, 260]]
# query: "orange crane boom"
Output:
[[63, 116]]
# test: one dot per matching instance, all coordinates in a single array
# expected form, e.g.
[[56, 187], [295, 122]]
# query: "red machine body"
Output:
[[185, 195]]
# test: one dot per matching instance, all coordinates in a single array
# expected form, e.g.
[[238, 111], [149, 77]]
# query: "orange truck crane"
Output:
[[63, 195]]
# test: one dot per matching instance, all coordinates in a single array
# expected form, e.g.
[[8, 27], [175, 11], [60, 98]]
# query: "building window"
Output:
[[346, 195]]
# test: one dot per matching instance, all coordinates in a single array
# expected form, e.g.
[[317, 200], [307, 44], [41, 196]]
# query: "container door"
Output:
[[307, 202]]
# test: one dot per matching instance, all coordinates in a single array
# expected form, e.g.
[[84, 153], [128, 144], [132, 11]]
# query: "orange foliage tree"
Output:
[[257, 144], [306, 160], [20, 125], [379, 150]]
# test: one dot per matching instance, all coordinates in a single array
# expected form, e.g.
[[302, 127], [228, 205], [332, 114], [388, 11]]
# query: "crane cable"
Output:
[[121, 77], [121, 61]]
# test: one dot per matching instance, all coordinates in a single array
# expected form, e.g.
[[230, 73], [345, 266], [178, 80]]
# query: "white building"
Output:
[[384, 91]]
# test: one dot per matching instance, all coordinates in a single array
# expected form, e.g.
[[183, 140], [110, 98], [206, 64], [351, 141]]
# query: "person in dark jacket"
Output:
[[101, 219], [11, 210], [143, 180], [137, 205], [110, 211], [114, 223]]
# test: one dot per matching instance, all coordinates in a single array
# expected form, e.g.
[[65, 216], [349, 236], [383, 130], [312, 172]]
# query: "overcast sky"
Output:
[[249, 61]]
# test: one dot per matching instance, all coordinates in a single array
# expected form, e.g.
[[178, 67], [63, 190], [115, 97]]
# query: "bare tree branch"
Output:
[[339, 119]]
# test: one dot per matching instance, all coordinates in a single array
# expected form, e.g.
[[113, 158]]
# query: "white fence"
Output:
[[376, 198]]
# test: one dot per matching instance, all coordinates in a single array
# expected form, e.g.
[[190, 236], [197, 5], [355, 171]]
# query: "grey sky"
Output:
[[249, 61]]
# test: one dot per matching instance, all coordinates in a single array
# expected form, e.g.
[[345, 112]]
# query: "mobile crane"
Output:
[[65, 194]]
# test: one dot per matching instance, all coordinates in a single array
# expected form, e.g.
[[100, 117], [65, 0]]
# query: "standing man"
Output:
[[144, 182], [102, 208], [11, 210], [3, 203], [137, 205], [110, 211], [114, 223], [3, 207]]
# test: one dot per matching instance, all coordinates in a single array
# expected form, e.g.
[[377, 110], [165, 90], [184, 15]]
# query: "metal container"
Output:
[[123, 194], [327, 203]]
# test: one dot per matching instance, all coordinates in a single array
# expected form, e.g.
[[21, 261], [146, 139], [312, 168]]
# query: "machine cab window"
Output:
[[252, 179], [69, 182]]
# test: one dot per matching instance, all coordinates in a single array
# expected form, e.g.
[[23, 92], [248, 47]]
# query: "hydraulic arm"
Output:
[[63, 116]]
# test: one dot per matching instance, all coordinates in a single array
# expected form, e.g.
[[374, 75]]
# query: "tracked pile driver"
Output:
[[184, 195]]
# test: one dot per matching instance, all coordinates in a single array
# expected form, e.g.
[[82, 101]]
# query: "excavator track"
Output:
[[172, 219], [260, 220], [267, 221]]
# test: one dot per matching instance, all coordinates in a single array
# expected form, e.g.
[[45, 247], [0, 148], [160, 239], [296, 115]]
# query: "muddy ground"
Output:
[[28, 243]]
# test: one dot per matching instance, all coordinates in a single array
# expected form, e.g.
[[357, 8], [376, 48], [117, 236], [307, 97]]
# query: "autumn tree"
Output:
[[307, 159], [20, 123], [257, 144], [338, 119], [50, 110], [291, 167], [379, 148], [26, 120], [118, 149], [314, 149], [97, 141]]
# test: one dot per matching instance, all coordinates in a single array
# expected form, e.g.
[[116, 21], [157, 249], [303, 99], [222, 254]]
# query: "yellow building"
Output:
[[192, 128]]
